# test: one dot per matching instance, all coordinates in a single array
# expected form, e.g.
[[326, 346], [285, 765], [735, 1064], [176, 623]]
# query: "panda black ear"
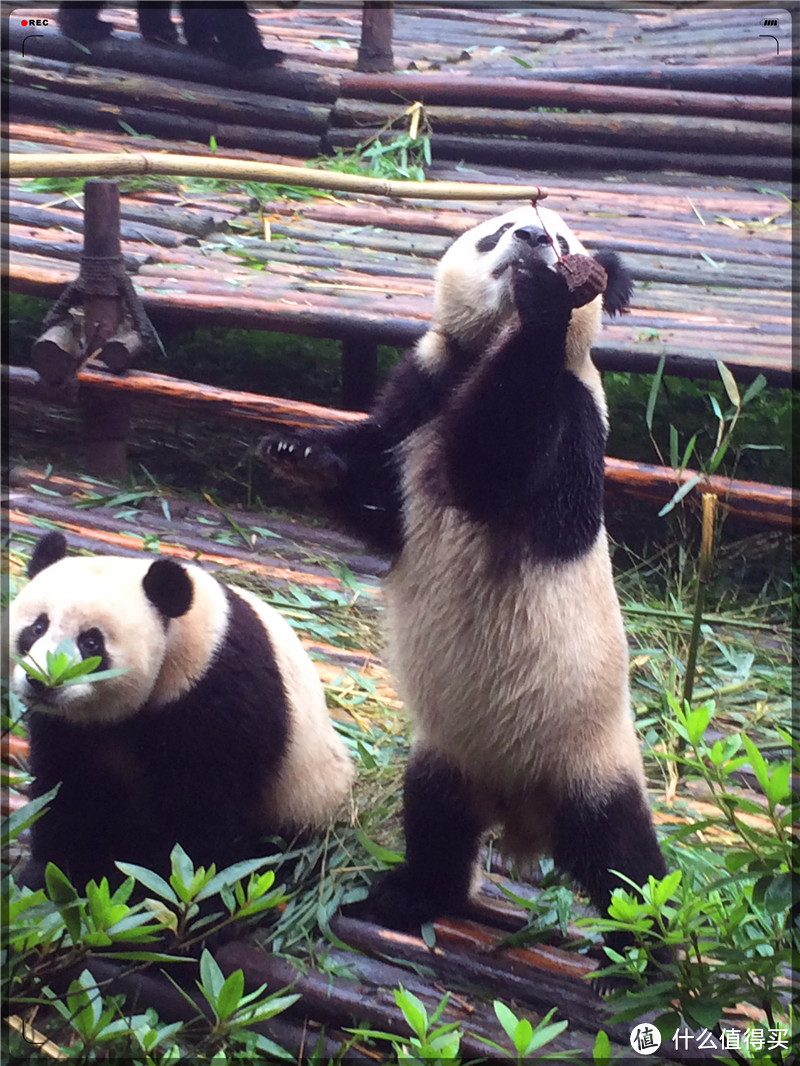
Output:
[[48, 550], [168, 587], [619, 289]]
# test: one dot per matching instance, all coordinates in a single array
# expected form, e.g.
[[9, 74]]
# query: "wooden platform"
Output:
[[708, 242]]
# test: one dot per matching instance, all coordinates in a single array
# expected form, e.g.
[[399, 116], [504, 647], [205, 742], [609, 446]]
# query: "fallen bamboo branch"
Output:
[[94, 164]]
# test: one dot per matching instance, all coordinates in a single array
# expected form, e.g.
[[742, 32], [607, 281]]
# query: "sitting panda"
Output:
[[480, 471], [216, 734], [227, 31]]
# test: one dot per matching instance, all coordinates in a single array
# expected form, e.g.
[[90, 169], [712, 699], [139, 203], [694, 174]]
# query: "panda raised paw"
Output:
[[295, 458], [574, 280]]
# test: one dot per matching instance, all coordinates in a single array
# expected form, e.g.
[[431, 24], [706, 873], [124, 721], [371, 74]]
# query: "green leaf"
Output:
[[151, 881], [14, 824], [236, 872], [651, 400], [729, 382], [601, 1052], [779, 895], [523, 1032], [62, 892], [507, 1019], [673, 446], [413, 1011], [754, 388], [230, 995], [758, 763], [706, 1012], [211, 979], [544, 1034], [684, 490], [428, 934], [380, 852]]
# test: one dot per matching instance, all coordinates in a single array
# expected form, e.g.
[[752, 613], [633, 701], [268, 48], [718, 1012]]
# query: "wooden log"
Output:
[[28, 214], [529, 985], [656, 131], [45, 243], [744, 78], [519, 92], [229, 106], [369, 999], [519, 152], [56, 354], [375, 47], [770, 504], [72, 109]]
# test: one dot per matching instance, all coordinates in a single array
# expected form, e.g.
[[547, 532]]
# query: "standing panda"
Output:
[[480, 470], [216, 734]]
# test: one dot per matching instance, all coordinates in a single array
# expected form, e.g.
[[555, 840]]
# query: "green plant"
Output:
[[429, 1041], [528, 1040], [404, 156], [66, 666], [727, 912], [52, 931], [726, 424], [236, 1011]]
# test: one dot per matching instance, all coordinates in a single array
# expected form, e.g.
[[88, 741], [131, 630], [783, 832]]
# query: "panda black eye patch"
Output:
[[91, 643], [30, 634], [485, 244]]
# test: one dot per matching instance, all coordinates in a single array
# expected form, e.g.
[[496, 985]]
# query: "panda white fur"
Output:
[[217, 732], [480, 470]]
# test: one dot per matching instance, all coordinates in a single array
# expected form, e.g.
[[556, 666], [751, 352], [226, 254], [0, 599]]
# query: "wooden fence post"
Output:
[[377, 26], [106, 419]]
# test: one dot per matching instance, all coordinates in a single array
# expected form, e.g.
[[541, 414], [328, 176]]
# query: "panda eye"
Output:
[[562, 244], [30, 634], [486, 244], [90, 643]]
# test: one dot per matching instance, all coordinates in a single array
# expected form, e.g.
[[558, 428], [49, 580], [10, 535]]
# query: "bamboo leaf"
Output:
[[651, 400]]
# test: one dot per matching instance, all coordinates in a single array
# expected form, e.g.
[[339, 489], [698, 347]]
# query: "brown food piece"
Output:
[[584, 275]]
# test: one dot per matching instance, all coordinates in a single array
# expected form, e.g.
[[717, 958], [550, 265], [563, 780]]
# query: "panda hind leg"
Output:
[[155, 23], [595, 832], [443, 832]]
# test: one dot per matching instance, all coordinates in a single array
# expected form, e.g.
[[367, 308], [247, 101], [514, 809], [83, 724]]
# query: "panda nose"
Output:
[[36, 686], [531, 235]]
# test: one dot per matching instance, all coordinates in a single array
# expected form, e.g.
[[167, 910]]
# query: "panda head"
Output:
[[159, 622], [473, 296]]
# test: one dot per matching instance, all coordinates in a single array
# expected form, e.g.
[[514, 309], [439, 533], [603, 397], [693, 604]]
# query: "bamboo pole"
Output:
[[92, 164]]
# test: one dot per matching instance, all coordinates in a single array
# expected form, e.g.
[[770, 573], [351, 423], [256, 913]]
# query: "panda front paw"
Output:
[[540, 289], [297, 458]]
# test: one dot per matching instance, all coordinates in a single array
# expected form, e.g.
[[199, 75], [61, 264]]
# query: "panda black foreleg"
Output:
[[595, 834], [443, 832], [81, 22], [155, 23]]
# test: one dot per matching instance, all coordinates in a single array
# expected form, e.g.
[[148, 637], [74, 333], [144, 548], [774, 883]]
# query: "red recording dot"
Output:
[[24, 22]]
